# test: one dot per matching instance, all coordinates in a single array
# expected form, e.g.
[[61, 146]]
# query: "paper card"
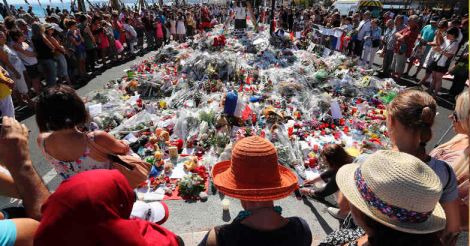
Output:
[[130, 138], [338, 33], [297, 35], [154, 196], [335, 110], [178, 172], [95, 109], [188, 151], [311, 173], [326, 52]]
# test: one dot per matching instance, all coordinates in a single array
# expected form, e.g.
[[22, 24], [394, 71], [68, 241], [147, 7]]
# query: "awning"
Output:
[[368, 3]]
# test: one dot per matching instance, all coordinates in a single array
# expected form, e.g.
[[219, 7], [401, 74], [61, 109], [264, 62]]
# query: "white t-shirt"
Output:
[[129, 29], [240, 13], [363, 27], [448, 47]]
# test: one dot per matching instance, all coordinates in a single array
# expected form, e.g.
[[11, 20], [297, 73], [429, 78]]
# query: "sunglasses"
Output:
[[455, 117]]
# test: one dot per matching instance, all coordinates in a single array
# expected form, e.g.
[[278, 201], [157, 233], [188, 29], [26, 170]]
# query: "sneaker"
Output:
[[335, 213]]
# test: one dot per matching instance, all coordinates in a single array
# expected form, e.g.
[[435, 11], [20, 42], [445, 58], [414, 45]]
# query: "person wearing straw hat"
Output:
[[254, 176], [394, 197]]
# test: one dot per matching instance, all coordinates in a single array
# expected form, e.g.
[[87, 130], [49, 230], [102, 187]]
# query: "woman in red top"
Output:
[[404, 45]]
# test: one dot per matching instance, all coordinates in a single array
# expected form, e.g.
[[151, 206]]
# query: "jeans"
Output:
[[49, 68], [62, 68], [387, 62]]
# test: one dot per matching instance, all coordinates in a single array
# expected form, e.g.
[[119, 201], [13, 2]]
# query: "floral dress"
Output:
[[67, 169]]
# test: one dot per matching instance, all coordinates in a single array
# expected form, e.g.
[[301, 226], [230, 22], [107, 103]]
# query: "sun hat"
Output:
[[155, 212], [397, 190], [254, 173]]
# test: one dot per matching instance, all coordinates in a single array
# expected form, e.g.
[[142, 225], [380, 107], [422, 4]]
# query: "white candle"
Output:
[[225, 204]]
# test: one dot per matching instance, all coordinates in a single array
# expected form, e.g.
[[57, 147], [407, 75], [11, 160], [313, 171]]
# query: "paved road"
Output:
[[195, 217]]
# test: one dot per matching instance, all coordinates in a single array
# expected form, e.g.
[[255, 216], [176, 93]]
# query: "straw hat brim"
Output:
[[225, 183], [346, 183]]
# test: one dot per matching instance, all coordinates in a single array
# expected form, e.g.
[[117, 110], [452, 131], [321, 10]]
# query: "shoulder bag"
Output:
[[133, 168]]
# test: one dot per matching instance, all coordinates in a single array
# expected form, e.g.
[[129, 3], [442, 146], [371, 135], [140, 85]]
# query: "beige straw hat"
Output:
[[396, 189]]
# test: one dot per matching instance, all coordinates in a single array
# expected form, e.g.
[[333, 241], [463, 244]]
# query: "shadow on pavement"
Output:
[[324, 225]]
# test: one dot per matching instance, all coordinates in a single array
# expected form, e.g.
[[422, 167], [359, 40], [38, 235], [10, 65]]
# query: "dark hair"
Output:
[[15, 34], [454, 31], [70, 23], [10, 22], [336, 156], [385, 236], [59, 108], [416, 110]]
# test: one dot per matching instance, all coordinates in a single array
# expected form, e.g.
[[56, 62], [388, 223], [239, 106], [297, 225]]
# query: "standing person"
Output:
[[76, 43], [363, 27], [160, 36], [412, 114], [442, 58], [460, 72], [59, 54], [371, 43], [439, 38], [131, 35], [404, 45], [148, 20], [172, 22], [13, 64], [387, 50], [90, 42], [394, 198], [180, 28], [45, 52], [240, 16], [254, 176], [422, 47], [29, 58], [139, 28], [101, 39], [6, 102], [190, 24]]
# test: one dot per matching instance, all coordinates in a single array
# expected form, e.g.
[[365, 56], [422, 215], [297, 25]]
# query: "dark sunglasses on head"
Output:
[[455, 117]]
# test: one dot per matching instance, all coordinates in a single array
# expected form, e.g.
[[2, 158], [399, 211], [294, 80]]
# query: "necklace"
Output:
[[246, 213]]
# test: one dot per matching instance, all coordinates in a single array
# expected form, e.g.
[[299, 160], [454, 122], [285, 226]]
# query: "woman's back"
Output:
[[42, 49], [295, 232], [70, 152]]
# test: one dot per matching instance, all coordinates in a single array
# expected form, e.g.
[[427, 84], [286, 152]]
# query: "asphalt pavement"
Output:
[[201, 216]]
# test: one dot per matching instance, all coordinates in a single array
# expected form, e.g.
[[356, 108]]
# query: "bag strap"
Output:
[[445, 49], [449, 174]]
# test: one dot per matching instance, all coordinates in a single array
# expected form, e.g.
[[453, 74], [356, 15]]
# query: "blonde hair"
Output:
[[462, 109]]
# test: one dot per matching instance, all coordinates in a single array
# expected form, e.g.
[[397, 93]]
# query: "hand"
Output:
[[14, 148]]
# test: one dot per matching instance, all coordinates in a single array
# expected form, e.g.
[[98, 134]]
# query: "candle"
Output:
[[173, 151], [225, 204]]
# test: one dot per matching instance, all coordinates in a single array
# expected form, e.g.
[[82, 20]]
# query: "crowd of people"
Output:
[[401, 196]]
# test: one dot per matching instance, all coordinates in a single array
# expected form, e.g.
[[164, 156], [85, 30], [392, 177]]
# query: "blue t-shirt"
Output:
[[428, 32], [448, 180], [7, 233]]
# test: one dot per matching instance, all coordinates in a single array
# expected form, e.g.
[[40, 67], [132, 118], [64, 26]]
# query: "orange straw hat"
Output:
[[254, 173]]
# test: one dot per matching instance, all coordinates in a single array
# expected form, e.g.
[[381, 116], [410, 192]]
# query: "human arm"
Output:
[[452, 212], [20, 49], [57, 45], [48, 43], [4, 59], [14, 154], [8, 186]]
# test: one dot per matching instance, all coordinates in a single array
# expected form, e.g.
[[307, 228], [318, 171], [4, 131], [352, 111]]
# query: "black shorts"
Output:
[[438, 69], [33, 71], [240, 23]]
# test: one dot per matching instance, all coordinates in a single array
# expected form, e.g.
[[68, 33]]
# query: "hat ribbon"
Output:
[[396, 213]]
